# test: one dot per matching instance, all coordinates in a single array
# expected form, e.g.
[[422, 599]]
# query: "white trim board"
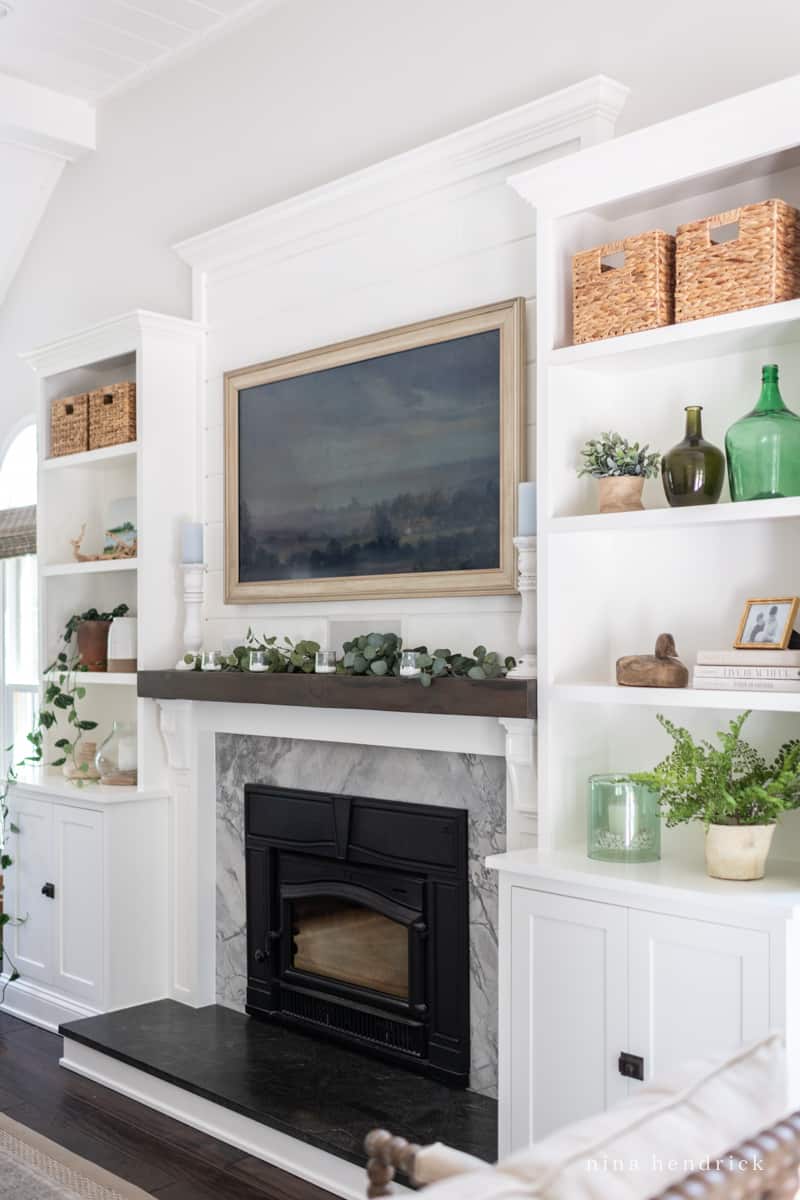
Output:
[[41, 1006], [583, 114], [289, 1154]]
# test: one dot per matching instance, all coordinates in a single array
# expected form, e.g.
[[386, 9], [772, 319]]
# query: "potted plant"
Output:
[[732, 789], [620, 467]]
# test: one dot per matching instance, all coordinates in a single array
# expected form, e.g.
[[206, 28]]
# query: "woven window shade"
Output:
[[17, 531]]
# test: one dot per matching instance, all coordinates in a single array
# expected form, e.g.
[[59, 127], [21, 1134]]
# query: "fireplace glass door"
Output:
[[342, 940]]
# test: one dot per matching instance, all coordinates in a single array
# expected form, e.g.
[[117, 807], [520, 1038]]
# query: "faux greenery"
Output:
[[612, 455], [63, 691], [368, 654], [726, 784]]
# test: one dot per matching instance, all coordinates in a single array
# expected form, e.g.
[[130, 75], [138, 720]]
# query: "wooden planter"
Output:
[[638, 294], [759, 266]]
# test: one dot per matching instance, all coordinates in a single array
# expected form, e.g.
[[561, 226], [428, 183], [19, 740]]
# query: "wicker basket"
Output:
[[69, 425], [608, 301], [759, 266], [112, 415]]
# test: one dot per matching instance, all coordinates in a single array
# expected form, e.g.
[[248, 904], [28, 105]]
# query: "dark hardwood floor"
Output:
[[159, 1155]]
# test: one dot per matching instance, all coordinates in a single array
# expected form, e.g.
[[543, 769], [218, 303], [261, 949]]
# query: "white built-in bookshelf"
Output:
[[162, 354], [608, 584]]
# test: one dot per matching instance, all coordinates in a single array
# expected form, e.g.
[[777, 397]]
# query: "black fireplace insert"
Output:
[[358, 923]]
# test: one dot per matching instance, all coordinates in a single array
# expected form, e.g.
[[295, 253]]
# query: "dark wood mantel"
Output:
[[453, 697]]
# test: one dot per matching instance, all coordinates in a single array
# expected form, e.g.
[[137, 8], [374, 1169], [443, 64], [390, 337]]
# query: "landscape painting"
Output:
[[382, 467]]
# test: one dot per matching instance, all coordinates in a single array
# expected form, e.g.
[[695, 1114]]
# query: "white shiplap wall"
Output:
[[429, 233]]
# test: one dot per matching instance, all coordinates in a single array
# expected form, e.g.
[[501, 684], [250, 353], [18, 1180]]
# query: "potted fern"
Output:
[[620, 467], [732, 789]]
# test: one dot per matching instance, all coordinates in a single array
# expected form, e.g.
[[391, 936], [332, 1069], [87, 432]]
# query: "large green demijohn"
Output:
[[763, 448]]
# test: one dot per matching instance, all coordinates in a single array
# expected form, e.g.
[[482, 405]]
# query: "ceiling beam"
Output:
[[44, 120]]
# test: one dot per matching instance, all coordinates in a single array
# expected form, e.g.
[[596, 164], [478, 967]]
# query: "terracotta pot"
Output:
[[93, 645], [738, 851], [620, 493]]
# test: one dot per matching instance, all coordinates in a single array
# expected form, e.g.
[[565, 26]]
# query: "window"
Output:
[[19, 651]]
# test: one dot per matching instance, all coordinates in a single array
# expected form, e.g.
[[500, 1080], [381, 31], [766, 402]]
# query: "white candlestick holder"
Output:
[[526, 663], [194, 586]]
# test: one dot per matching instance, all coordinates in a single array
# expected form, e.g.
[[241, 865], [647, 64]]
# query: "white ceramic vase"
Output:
[[738, 851]]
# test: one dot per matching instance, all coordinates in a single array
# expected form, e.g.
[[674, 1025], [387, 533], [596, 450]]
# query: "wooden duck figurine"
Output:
[[662, 669]]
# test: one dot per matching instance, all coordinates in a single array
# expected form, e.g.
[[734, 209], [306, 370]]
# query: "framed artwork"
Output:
[[767, 624], [386, 466]]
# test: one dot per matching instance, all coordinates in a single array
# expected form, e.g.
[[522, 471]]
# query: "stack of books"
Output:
[[748, 670]]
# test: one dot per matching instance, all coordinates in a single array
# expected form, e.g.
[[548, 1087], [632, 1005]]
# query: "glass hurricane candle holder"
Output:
[[116, 760], [212, 660], [325, 662], [408, 665], [258, 660], [624, 825]]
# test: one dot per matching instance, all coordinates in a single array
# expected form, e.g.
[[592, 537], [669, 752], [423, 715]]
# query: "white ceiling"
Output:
[[88, 48]]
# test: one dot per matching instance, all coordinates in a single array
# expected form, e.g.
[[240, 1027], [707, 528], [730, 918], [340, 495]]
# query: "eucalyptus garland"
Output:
[[369, 654]]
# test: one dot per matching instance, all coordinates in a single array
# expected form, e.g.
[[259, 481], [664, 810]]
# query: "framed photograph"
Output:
[[767, 624], [386, 466]]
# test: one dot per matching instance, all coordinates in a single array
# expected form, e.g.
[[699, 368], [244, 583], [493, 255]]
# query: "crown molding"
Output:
[[584, 113], [724, 136], [107, 339]]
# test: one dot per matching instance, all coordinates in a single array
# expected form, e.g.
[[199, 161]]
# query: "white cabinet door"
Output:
[[697, 989], [569, 1018], [78, 965], [32, 852]]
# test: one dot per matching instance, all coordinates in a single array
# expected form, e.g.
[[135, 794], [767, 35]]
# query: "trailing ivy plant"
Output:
[[726, 784], [63, 692], [370, 654], [612, 455]]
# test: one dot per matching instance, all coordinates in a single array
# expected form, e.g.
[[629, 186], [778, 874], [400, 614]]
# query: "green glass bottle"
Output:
[[693, 472], [763, 448]]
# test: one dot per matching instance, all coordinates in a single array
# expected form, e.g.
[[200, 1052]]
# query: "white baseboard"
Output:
[[306, 1162], [42, 1007]]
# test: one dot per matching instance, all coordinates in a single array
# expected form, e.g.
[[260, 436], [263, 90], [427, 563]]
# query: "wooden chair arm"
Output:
[[385, 1156]]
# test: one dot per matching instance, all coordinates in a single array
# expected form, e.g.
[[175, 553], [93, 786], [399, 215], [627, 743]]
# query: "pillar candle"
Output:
[[526, 520], [192, 542]]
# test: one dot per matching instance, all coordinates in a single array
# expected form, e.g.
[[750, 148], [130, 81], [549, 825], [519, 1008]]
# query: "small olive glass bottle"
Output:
[[693, 472], [763, 448]]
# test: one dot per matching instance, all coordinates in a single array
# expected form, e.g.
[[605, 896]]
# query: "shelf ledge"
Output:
[[648, 519], [644, 697], [452, 697], [91, 458], [689, 341], [100, 567]]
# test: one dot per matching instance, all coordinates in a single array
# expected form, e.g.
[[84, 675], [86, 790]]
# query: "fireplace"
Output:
[[357, 923]]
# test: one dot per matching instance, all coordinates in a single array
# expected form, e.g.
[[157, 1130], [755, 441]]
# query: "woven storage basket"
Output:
[[608, 301], [112, 415], [760, 266], [69, 425]]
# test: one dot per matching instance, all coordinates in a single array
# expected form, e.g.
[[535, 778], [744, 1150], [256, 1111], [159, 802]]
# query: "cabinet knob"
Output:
[[49, 890], [260, 955], [631, 1065]]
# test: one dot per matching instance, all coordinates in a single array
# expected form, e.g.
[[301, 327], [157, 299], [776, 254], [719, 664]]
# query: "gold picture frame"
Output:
[[773, 613], [508, 318]]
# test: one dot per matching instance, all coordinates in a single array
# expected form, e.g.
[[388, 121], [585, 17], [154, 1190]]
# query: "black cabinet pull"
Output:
[[631, 1065], [49, 890], [260, 955]]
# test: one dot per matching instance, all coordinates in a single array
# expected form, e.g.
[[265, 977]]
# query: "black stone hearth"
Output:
[[322, 1093]]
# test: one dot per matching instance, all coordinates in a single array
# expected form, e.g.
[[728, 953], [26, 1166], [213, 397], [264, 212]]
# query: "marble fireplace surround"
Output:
[[474, 782], [483, 764]]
